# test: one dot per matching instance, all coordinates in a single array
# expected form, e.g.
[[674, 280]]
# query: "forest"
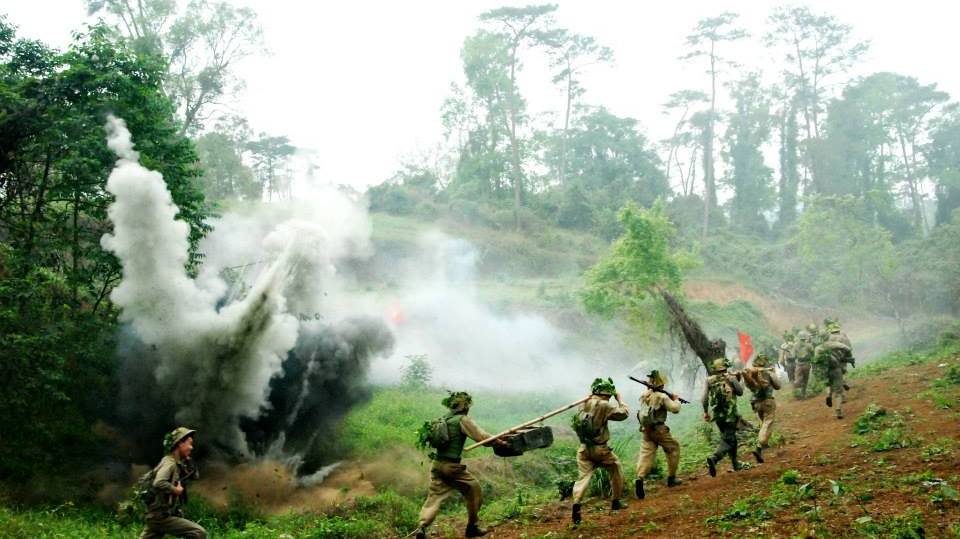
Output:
[[519, 257]]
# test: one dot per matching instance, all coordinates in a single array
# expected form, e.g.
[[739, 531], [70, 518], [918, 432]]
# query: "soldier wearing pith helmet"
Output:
[[655, 433], [164, 514]]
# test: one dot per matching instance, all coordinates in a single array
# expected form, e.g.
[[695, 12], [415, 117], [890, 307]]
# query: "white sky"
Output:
[[361, 83]]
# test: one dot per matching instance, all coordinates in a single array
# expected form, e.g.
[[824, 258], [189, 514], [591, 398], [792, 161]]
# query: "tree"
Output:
[[943, 155], [748, 130], [703, 43], [684, 137], [815, 48], [571, 54], [789, 155], [201, 45], [639, 262], [271, 156], [519, 28], [225, 176]]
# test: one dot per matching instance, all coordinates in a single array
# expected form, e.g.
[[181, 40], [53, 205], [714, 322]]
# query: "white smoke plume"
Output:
[[216, 358]]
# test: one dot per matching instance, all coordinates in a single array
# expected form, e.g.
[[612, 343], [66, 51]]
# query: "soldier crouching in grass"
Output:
[[447, 474], [164, 515]]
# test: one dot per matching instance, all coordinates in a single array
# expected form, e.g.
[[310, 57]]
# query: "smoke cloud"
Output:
[[227, 356]]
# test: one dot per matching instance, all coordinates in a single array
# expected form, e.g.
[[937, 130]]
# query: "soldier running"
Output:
[[591, 426], [762, 382], [835, 353], [786, 356], [447, 474], [720, 396], [164, 514], [803, 351], [654, 406]]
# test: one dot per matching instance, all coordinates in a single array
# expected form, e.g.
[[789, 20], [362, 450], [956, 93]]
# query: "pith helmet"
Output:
[[176, 436], [762, 360], [457, 401], [656, 378], [603, 387], [720, 364]]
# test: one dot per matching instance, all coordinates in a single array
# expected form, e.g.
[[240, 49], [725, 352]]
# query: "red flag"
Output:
[[746, 347]]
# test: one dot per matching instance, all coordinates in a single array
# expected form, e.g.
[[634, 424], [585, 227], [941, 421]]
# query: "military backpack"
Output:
[[583, 424]]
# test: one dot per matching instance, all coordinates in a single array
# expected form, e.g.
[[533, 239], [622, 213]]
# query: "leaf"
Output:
[[864, 519]]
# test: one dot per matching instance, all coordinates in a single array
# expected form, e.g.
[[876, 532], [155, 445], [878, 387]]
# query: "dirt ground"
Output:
[[818, 446]]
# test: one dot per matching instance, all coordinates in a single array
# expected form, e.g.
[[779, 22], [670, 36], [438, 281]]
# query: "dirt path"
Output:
[[818, 446]]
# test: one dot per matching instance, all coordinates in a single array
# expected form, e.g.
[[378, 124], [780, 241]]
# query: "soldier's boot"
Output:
[[758, 454], [638, 489], [830, 400], [712, 466], [474, 531], [672, 481], [617, 505], [576, 514], [733, 459], [839, 412], [846, 387], [421, 533]]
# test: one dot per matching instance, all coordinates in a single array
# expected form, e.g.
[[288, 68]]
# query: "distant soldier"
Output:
[[720, 398], [834, 355], [803, 351], [164, 513], [655, 432], [590, 423], [786, 356], [762, 381], [447, 474]]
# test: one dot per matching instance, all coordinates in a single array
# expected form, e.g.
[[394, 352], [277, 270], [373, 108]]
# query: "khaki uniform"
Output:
[[163, 515], [656, 405], [788, 360], [763, 402], [804, 354], [597, 454], [448, 475], [838, 348]]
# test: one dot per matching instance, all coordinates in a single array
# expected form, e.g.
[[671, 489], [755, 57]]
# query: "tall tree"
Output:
[[202, 45], [271, 156], [685, 103], [570, 55], [943, 154], [789, 183], [748, 131], [703, 44], [814, 47], [520, 28]]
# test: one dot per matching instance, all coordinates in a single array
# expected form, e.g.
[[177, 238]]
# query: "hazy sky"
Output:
[[361, 83]]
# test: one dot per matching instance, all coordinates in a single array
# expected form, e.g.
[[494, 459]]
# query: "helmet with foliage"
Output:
[[656, 378], [603, 387], [762, 360], [721, 364], [457, 401], [789, 336], [803, 335], [174, 437], [812, 327]]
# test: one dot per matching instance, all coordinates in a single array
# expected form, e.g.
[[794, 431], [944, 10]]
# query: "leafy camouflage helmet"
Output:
[[603, 387], [174, 437], [656, 378], [762, 360], [721, 364], [457, 401], [812, 327], [803, 335]]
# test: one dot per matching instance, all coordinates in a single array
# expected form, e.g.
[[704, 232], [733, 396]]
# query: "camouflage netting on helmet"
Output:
[[603, 387], [457, 401], [762, 360]]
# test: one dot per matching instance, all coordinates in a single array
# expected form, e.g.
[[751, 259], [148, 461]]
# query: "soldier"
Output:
[[762, 381], [164, 514], [591, 421], [803, 351], [655, 432], [835, 353], [447, 474], [786, 356], [720, 395]]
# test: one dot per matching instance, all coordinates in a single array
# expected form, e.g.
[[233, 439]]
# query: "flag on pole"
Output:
[[746, 347]]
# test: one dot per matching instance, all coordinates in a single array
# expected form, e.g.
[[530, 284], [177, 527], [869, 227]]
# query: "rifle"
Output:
[[659, 390]]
